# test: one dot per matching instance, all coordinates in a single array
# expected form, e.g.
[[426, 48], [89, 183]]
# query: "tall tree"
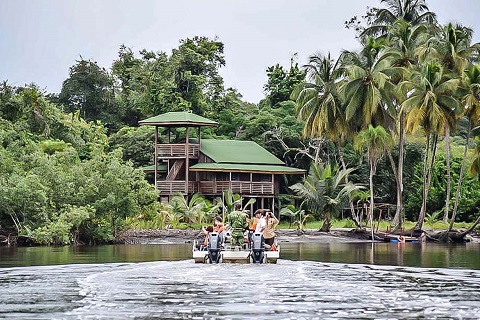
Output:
[[377, 143], [281, 83], [403, 40], [431, 105], [367, 91], [89, 89], [471, 101], [414, 12]]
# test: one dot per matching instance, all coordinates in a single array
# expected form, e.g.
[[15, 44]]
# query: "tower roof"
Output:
[[174, 119]]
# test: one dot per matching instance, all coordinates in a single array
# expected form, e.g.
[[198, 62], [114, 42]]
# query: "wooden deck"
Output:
[[216, 187], [176, 150]]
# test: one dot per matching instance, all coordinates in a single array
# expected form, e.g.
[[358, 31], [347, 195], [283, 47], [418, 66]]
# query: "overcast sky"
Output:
[[40, 40]]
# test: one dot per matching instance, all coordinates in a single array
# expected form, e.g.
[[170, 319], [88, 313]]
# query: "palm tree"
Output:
[[415, 12], [297, 217], [431, 106], [403, 40], [471, 100], [319, 105], [453, 48], [475, 166], [377, 142], [367, 90], [324, 191], [193, 210], [317, 101]]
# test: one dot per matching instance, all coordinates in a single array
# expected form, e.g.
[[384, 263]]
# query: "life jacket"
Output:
[[254, 224]]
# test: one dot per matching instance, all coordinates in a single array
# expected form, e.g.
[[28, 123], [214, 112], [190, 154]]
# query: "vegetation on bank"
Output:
[[391, 131]]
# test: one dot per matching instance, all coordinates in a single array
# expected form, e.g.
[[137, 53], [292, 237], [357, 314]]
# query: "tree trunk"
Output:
[[327, 225], [372, 171], [421, 215], [449, 178], [427, 177], [355, 218], [397, 220], [460, 177]]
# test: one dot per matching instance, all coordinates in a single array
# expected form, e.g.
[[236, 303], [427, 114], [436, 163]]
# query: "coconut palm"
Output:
[[431, 105], [367, 90], [453, 48], [317, 101], [318, 104], [415, 12], [377, 143], [324, 191], [471, 101], [403, 40]]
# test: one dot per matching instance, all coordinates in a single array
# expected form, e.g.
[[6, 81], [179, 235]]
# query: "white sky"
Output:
[[41, 39]]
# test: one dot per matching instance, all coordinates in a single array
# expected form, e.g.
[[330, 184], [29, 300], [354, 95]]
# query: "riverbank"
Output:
[[159, 236]]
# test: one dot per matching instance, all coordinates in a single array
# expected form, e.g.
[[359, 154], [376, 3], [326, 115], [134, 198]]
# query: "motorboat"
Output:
[[220, 251]]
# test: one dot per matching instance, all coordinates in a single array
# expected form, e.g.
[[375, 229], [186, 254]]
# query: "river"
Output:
[[310, 281]]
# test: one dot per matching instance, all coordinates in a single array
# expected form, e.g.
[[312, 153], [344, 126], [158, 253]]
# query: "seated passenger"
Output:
[[206, 231]]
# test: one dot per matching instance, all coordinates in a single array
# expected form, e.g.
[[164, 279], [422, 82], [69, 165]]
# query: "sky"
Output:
[[40, 40]]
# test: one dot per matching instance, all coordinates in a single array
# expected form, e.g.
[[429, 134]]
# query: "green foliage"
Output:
[[281, 83], [55, 191], [89, 89], [324, 192], [137, 144]]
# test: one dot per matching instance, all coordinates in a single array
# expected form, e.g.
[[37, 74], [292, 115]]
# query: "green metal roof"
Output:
[[160, 168], [177, 119], [235, 167], [235, 151]]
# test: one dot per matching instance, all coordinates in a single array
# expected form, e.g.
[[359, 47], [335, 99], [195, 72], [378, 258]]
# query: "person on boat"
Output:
[[269, 231], [206, 231], [254, 220], [238, 222], [261, 222], [218, 225]]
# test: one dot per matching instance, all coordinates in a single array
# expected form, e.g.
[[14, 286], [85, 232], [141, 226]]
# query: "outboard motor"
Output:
[[214, 247], [258, 248]]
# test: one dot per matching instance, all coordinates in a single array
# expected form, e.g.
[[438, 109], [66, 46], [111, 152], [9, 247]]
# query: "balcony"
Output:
[[176, 186], [241, 187], [176, 150], [216, 187]]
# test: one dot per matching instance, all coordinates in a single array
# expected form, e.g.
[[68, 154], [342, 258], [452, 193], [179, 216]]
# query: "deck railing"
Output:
[[241, 187], [176, 150], [176, 186], [216, 187]]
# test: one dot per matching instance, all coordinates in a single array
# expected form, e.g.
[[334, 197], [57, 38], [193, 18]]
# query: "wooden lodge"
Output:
[[209, 166]]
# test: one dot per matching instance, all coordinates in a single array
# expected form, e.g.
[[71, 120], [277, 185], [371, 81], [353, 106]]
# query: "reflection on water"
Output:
[[465, 255], [311, 281]]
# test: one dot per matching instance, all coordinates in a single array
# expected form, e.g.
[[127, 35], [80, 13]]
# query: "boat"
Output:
[[220, 251]]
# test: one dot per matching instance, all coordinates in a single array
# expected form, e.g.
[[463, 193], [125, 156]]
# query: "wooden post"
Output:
[[155, 162], [187, 153]]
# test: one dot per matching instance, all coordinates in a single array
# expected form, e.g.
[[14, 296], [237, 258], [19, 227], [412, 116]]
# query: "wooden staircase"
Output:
[[177, 165]]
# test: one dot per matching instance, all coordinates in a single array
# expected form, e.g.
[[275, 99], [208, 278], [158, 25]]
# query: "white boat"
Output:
[[219, 252]]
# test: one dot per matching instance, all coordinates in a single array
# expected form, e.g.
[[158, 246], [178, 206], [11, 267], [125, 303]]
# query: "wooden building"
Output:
[[208, 166]]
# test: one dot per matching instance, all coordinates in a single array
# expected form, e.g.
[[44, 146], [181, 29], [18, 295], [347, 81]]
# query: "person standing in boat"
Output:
[[238, 222], [260, 226], [269, 231]]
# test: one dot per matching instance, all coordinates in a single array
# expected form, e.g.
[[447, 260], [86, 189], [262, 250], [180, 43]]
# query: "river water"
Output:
[[311, 281]]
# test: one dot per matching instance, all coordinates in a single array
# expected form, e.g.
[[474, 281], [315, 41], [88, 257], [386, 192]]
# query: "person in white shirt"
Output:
[[262, 222]]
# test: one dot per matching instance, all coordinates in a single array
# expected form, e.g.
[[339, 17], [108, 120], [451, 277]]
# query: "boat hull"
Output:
[[235, 256]]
